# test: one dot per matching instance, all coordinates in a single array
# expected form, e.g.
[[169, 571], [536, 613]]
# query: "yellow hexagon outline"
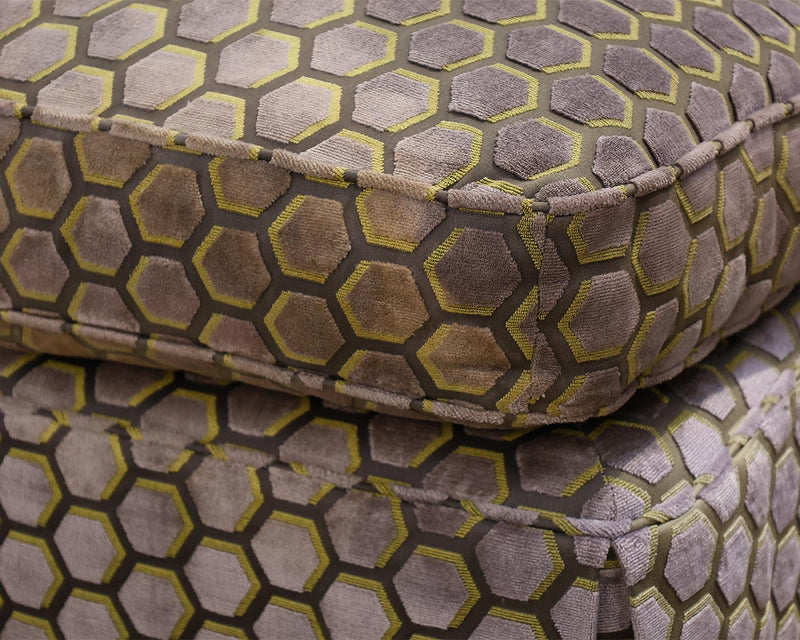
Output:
[[49, 558], [347, 288], [197, 260], [633, 34], [158, 31], [346, 10], [782, 176], [373, 238], [43, 463], [172, 491], [390, 51], [527, 619], [298, 607], [650, 287], [180, 592], [84, 165], [107, 77], [292, 56], [133, 281], [654, 594], [696, 71], [36, 6], [104, 600], [433, 99], [316, 543], [237, 551], [451, 557], [424, 355], [222, 201], [113, 538], [66, 231], [441, 295], [252, 16], [672, 96], [377, 588], [578, 351], [33, 621], [586, 52], [137, 193], [752, 243], [280, 255], [72, 38], [627, 119], [238, 105], [270, 319], [199, 73], [10, 172], [576, 148], [334, 107]]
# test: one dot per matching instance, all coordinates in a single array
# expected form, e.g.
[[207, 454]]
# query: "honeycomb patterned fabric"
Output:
[[138, 502], [502, 213]]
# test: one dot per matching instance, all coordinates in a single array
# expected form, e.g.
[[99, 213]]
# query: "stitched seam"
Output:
[[388, 182]]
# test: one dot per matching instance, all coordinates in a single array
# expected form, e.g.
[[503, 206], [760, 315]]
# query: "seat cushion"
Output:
[[503, 214], [164, 504]]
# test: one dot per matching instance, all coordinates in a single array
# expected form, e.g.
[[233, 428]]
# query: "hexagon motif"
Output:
[[450, 45], [557, 148], [599, 18], [702, 619], [255, 411], [470, 473], [463, 358], [310, 238], [603, 296], [54, 384], [90, 615], [154, 518], [493, 93], [508, 12], [353, 606], [225, 496], [693, 544], [377, 211], [591, 100], [325, 444], [38, 52], [436, 588], [685, 50], [736, 203], [641, 72], [347, 150], [382, 302], [659, 265], [230, 264], [82, 89], [290, 551], [472, 271], [91, 464], [155, 601], [28, 489], [235, 585], [519, 562], [179, 71], [33, 265], [353, 49], [769, 229], [732, 571], [185, 415], [234, 182], [28, 570], [18, 15], [388, 370], [726, 32], [551, 478], [258, 58], [705, 265], [583, 595], [278, 119], [215, 20], [109, 160], [163, 293], [119, 35], [167, 205], [407, 13], [96, 235], [358, 511], [89, 545], [405, 443], [295, 619], [38, 178], [549, 48], [441, 155], [787, 565], [309, 13], [303, 328], [395, 100], [211, 114], [228, 335], [652, 611]]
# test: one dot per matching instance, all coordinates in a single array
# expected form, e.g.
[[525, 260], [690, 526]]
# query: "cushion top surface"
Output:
[[497, 213]]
